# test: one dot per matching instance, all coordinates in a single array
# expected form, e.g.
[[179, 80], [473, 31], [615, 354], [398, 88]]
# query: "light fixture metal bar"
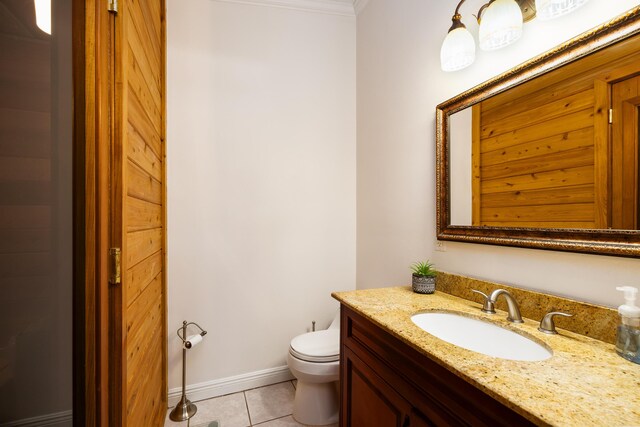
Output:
[[528, 8]]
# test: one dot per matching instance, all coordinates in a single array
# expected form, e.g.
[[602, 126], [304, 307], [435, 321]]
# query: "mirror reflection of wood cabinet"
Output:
[[544, 153]]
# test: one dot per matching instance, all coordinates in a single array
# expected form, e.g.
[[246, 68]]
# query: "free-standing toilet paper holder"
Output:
[[185, 409]]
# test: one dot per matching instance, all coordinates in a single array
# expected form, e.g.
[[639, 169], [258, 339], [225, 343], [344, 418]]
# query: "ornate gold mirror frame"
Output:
[[606, 242]]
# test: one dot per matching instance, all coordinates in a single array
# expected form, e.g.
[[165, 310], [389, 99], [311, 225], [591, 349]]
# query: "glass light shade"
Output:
[[550, 9], [43, 15], [458, 50], [500, 25]]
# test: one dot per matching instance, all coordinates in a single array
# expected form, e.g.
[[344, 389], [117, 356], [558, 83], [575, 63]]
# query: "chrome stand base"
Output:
[[183, 410]]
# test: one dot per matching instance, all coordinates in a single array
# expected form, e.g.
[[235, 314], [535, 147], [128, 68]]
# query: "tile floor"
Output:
[[269, 406]]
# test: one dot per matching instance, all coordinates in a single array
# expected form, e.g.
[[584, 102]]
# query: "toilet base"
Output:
[[316, 404]]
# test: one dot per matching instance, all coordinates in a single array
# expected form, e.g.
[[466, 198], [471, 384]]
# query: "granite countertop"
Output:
[[584, 383]]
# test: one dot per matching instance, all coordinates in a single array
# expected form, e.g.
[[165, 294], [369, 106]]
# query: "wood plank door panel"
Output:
[[625, 103], [138, 304]]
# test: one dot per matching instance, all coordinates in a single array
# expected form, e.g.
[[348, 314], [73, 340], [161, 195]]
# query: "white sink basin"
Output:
[[480, 336]]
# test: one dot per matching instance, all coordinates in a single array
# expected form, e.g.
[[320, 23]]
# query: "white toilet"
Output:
[[314, 359]]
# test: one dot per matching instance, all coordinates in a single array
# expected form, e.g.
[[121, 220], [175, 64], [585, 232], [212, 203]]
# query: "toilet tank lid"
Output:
[[317, 344]]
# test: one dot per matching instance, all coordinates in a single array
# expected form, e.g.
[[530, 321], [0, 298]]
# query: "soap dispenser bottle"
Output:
[[628, 333]]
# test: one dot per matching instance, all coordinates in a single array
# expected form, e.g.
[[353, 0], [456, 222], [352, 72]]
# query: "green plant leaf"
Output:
[[423, 268]]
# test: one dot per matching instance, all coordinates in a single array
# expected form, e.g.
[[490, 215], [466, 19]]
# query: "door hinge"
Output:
[[113, 6], [610, 115], [114, 259]]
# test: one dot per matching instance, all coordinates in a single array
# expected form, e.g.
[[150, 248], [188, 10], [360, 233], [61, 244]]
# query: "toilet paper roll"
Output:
[[192, 341]]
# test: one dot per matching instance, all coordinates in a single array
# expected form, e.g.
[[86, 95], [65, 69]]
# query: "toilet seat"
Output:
[[319, 346]]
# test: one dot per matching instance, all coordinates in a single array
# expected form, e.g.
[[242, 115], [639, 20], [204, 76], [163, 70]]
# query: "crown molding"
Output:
[[331, 7], [359, 5]]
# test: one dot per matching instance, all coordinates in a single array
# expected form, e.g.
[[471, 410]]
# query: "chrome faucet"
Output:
[[490, 303], [514, 312]]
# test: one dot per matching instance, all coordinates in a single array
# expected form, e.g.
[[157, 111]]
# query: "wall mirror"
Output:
[[546, 155]]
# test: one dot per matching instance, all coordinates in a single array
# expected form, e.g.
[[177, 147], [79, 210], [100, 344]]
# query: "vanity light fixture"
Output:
[[500, 23], [458, 49], [43, 15], [550, 9]]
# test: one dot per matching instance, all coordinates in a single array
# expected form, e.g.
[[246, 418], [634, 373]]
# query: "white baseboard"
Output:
[[220, 387], [58, 419]]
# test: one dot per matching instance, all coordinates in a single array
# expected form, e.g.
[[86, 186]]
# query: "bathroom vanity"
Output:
[[395, 374], [386, 382]]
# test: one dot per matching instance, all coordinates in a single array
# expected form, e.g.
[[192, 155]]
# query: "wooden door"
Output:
[[138, 368], [624, 175], [119, 126]]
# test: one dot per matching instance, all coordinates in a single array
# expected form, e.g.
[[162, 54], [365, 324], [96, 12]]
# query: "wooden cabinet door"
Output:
[[138, 368], [370, 401], [624, 177], [418, 419]]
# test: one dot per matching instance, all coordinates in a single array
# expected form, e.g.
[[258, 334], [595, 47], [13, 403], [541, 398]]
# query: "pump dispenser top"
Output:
[[629, 308]]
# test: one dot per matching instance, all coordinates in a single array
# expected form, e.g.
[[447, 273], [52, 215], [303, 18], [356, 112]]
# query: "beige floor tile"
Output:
[[208, 424], [270, 402], [281, 422], [286, 422], [230, 411], [169, 423]]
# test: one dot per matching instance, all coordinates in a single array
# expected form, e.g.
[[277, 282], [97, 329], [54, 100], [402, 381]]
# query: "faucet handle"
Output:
[[488, 306], [547, 324]]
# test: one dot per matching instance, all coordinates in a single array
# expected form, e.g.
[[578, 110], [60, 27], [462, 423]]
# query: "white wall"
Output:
[[261, 179], [460, 182], [399, 85]]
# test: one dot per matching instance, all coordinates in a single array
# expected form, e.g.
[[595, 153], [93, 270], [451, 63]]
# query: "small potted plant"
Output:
[[424, 277]]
